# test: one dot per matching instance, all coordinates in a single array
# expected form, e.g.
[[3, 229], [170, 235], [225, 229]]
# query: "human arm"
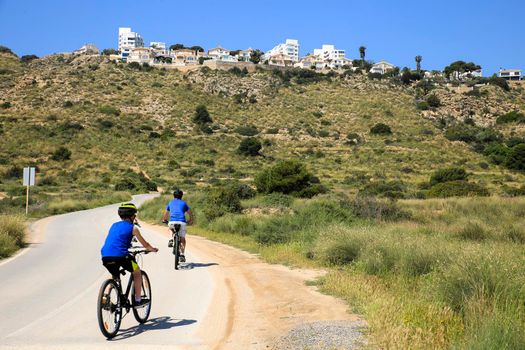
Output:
[[190, 217], [166, 216], [142, 241]]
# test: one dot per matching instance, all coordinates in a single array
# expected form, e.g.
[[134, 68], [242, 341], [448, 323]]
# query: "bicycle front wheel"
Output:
[[109, 310], [142, 313]]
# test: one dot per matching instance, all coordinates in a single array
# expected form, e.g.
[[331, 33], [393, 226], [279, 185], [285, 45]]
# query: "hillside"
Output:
[[124, 125]]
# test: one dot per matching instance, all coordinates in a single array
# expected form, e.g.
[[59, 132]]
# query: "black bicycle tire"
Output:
[[176, 248], [103, 329], [135, 312]]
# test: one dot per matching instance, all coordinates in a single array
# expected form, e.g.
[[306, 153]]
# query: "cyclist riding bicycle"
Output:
[[115, 250], [175, 211]]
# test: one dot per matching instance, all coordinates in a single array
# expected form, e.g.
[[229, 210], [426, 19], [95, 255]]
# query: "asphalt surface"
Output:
[[48, 294]]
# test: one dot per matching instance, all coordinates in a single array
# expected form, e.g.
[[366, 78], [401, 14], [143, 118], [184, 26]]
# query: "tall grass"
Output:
[[12, 234]]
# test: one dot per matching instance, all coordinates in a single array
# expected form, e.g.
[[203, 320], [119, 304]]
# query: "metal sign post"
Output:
[[29, 180]]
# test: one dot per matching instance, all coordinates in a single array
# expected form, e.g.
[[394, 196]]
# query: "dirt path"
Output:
[[255, 303]]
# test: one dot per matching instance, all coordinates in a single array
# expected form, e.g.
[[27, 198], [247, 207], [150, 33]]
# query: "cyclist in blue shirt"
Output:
[[115, 250], [176, 212]]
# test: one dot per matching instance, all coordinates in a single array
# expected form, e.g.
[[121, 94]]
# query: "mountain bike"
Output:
[[112, 301], [175, 243]]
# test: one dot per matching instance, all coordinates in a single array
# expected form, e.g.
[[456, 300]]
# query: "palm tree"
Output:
[[362, 50], [418, 63]]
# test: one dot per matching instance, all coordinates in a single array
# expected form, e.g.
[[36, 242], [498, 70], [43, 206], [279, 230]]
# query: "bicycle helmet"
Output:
[[178, 193], [127, 210]]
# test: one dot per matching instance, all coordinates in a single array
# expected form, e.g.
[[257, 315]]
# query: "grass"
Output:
[[12, 234], [449, 274]]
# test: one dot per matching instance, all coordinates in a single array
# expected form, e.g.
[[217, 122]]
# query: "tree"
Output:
[[107, 52], [197, 48], [459, 67], [362, 53], [202, 116], [177, 47], [255, 56], [28, 58], [418, 63]]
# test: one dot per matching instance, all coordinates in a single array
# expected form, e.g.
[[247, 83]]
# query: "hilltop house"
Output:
[[382, 67], [310, 61], [88, 49], [221, 54], [245, 55], [510, 74], [127, 41], [182, 57], [141, 55], [284, 54], [332, 57]]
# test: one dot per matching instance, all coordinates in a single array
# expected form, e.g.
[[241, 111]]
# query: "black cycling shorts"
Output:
[[114, 263]]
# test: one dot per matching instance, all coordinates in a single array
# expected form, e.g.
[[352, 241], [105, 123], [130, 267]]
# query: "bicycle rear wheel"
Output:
[[142, 313], [176, 251], [109, 310]]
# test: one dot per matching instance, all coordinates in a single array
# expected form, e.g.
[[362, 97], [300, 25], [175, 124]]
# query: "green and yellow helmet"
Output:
[[127, 209]]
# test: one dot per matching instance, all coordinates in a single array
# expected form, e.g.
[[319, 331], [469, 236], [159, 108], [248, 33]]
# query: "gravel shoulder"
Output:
[[256, 305]]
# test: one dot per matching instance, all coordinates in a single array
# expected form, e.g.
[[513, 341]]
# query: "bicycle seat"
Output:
[[175, 227]]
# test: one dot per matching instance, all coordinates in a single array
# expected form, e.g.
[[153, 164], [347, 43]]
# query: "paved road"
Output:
[[48, 294]]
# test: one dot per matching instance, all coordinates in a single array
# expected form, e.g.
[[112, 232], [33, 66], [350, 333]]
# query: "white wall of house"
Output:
[[382, 67], [128, 40], [290, 48], [510, 74], [334, 58]]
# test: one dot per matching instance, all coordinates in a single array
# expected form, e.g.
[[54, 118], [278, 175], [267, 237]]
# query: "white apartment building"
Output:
[[245, 55], [128, 40], [510, 74], [141, 55], [290, 49], [333, 57]]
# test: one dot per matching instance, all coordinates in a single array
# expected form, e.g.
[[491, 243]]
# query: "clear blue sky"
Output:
[[489, 32]]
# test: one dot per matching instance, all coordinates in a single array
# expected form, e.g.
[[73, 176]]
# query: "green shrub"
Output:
[[105, 124], [202, 116], [380, 129], [67, 104], [109, 110], [247, 130], [372, 208], [288, 177], [496, 152], [515, 158], [221, 200], [14, 172], [272, 131], [249, 147], [61, 154], [5, 105], [277, 200], [344, 251], [457, 189], [12, 234], [353, 138], [461, 132], [388, 189], [448, 174], [433, 101], [473, 231], [511, 117], [422, 105], [134, 65]]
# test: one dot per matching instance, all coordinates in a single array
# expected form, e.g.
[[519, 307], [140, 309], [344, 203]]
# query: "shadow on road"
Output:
[[158, 323], [193, 265]]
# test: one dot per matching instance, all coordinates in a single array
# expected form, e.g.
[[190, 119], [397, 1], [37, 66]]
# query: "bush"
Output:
[[202, 116], [457, 189], [61, 154], [131, 181], [28, 58], [511, 117], [105, 124], [221, 200], [372, 208], [391, 189], [134, 65], [448, 174], [461, 132], [12, 234], [496, 152], [109, 110], [67, 104], [247, 130], [381, 129], [14, 172], [433, 101], [288, 177], [249, 147], [277, 200], [515, 158]]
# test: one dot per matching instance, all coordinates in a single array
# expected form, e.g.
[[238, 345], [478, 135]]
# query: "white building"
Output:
[[184, 57], [290, 49], [221, 54], [333, 57], [128, 40], [245, 55], [382, 67], [311, 62], [510, 74], [141, 55], [478, 73], [88, 49]]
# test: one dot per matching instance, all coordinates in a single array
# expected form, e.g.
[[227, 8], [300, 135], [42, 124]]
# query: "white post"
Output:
[[27, 199]]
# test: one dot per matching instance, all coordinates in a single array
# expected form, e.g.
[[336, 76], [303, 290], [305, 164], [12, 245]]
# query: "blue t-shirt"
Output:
[[118, 240], [177, 208]]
